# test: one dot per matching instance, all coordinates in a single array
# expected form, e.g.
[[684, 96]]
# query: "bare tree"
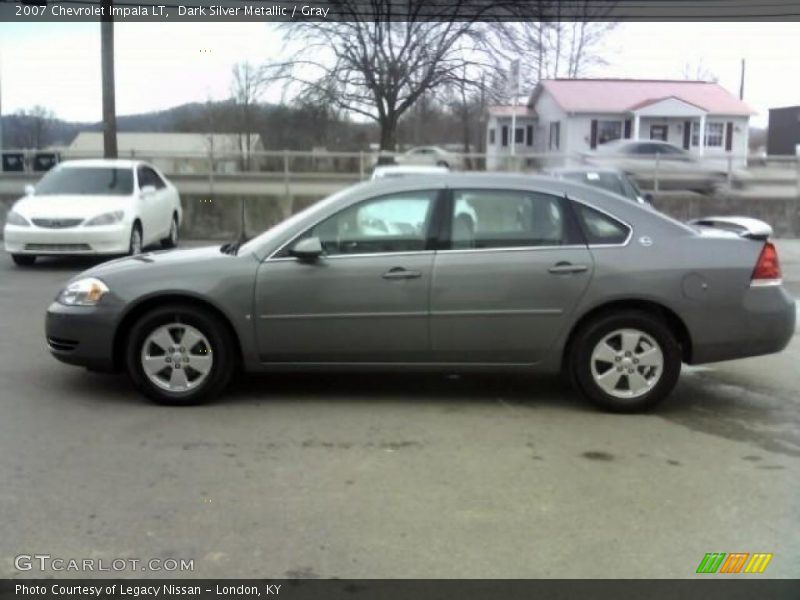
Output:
[[31, 128], [554, 46], [246, 89], [698, 72], [380, 67]]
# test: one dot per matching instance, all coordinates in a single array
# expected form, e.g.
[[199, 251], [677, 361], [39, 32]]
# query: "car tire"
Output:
[[443, 163], [625, 362], [206, 361], [172, 239], [135, 244], [23, 260]]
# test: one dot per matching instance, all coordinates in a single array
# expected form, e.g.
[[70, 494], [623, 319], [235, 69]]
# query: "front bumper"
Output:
[[107, 239], [82, 335]]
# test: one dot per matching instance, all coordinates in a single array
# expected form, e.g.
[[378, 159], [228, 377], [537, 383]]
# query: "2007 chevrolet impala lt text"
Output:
[[450, 272]]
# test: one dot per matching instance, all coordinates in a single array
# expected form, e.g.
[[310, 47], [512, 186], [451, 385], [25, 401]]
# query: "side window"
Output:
[[506, 219], [600, 228], [155, 180], [394, 223], [144, 177]]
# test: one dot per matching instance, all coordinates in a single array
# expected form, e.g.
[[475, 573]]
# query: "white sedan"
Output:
[[94, 207], [429, 155]]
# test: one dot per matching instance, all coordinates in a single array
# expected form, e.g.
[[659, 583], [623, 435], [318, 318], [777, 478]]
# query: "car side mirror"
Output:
[[148, 190], [29, 190], [307, 249]]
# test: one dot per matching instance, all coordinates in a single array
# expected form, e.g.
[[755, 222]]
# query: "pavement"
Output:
[[411, 476]]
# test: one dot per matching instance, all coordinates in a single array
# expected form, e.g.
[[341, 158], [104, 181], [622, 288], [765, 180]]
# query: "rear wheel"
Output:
[[172, 239], [23, 260], [625, 362], [180, 355]]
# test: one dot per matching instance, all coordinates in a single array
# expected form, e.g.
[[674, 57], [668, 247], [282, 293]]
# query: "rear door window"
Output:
[[599, 228]]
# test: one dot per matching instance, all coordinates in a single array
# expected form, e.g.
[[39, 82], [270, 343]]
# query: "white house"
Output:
[[565, 117], [171, 152]]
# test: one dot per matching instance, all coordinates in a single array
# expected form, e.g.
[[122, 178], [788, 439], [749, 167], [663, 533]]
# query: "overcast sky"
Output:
[[162, 65]]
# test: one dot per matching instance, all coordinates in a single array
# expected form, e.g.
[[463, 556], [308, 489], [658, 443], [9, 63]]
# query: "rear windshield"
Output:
[[88, 181], [605, 181]]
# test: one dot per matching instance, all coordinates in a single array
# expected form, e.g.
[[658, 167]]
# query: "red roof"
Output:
[[625, 95]]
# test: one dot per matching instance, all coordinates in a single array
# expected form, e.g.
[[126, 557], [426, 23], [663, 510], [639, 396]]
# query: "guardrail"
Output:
[[289, 165]]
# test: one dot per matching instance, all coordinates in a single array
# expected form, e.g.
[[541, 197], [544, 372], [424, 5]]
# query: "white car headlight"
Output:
[[14, 218], [84, 292], [108, 218]]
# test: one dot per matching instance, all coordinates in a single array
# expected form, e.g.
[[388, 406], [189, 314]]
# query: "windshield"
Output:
[[288, 224], [87, 181]]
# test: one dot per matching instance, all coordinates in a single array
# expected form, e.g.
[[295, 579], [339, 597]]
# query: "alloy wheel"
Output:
[[176, 357], [627, 363]]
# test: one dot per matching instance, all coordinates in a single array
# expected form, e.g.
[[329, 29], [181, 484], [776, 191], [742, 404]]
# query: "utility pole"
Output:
[[107, 67], [741, 83]]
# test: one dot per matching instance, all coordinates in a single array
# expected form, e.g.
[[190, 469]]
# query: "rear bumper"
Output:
[[82, 335], [766, 326], [111, 239]]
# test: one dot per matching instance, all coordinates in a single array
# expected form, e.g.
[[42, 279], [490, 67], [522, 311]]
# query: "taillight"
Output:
[[768, 269]]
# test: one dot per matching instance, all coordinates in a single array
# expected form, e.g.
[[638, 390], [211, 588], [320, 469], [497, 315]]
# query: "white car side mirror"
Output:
[[148, 190], [29, 190]]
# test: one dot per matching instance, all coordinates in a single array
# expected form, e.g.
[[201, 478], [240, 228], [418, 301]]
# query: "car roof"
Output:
[[410, 169], [586, 169], [118, 163]]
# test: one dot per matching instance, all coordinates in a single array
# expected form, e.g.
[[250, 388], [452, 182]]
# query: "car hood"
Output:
[[162, 259], [68, 206]]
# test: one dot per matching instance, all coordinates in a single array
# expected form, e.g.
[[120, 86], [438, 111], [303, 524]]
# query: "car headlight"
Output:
[[14, 218], [84, 292], [108, 218]]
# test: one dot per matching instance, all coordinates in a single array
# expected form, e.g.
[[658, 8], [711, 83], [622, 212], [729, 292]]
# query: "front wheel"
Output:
[[135, 243], [23, 260], [180, 355], [625, 362]]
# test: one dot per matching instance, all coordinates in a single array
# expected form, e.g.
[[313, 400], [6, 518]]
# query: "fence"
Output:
[[291, 165]]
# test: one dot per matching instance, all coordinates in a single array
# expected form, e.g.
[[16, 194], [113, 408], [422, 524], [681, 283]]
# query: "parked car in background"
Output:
[[676, 168], [90, 207], [429, 155], [383, 171], [604, 178], [453, 272]]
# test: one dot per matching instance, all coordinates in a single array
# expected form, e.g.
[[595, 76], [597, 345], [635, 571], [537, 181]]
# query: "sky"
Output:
[[57, 65]]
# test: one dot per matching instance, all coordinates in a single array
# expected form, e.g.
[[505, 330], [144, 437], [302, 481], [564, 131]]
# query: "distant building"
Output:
[[571, 116], [173, 152], [783, 131]]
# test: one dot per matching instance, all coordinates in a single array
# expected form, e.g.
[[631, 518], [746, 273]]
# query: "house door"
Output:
[[658, 132]]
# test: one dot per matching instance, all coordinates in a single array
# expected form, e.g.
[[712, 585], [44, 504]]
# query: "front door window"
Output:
[[658, 132]]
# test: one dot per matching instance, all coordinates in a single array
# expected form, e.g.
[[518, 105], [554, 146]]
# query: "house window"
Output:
[[529, 133], [519, 135], [504, 136], [491, 136], [714, 134], [608, 131], [555, 135]]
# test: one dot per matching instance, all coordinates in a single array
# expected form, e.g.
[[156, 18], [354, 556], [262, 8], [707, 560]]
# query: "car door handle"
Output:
[[565, 268], [401, 273]]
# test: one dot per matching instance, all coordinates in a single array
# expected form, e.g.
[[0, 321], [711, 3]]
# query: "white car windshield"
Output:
[[87, 181]]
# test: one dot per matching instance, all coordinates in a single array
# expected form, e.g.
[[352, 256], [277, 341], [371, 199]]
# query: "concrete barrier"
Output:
[[217, 216]]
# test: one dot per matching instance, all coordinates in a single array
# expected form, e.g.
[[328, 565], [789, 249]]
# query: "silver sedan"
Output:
[[452, 272]]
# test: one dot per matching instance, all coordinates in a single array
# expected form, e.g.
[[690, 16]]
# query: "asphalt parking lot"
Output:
[[391, 476]]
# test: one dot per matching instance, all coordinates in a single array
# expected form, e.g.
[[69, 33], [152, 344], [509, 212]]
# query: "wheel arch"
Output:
[[675, 324], [148, 303]]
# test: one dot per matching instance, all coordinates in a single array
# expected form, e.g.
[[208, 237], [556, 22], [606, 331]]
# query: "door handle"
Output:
[[565, 268], [401, 273]]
